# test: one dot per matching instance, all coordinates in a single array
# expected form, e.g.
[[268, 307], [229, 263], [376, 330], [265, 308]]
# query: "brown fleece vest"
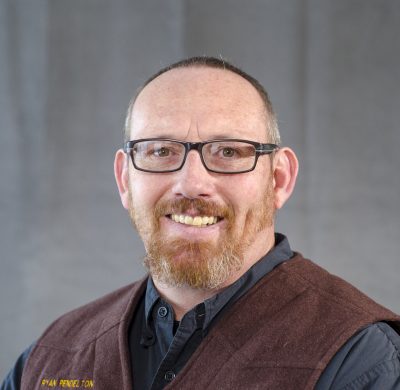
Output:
[[280, 335]]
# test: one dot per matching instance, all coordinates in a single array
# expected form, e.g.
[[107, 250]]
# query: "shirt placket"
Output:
[[168, 368]]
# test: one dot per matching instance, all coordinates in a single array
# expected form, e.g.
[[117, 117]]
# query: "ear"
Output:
[[121, 167], [285, 170]]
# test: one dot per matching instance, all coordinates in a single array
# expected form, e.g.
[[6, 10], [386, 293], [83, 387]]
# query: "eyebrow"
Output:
[[157, 136], [170, 136], [221, 136]]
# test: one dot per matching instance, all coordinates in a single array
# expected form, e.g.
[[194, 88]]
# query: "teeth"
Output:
[[188, 220], [196, 221]]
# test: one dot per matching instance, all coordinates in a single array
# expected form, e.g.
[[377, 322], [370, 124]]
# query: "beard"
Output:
[[177, 262]]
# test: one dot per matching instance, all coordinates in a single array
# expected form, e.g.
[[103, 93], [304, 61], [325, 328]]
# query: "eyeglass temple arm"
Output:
[[266, 148]]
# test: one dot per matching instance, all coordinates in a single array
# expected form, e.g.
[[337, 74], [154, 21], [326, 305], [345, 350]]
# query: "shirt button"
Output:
[[162, 311], [169, 375]]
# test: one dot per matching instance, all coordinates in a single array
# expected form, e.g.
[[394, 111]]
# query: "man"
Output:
[[227, 304]]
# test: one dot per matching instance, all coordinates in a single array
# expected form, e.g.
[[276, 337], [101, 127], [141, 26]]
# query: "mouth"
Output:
[[198, 221]]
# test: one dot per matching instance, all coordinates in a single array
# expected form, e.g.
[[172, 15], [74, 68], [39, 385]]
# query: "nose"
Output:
[[193, 180]]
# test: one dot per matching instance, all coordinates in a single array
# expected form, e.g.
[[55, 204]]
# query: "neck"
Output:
[[183, 299]]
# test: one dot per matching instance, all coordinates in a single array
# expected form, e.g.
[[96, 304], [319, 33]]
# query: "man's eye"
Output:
[[162, 152], [228, 152]]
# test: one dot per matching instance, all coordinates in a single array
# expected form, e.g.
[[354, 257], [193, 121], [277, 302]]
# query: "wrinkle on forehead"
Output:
[[199, 100]]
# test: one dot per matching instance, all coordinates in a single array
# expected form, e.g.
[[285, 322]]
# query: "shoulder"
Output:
[[372, 356], [82, 325], [13, 379], [328, 289], [78, 327]]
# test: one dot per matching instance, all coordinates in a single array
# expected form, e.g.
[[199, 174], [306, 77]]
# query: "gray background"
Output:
[[67, 71]]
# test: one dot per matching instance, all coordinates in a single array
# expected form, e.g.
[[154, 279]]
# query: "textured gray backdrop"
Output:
[[67, 71]]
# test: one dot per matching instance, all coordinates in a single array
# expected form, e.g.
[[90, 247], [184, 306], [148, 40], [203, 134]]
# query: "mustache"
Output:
[[200, 206]]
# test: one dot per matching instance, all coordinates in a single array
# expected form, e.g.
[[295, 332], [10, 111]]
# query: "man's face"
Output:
[[199, 104]]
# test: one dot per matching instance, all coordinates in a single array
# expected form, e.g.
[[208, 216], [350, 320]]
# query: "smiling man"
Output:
[[204, 210], [227, 304]]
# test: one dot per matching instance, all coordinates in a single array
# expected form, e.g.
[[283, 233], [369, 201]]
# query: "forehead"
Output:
[[209, 102]]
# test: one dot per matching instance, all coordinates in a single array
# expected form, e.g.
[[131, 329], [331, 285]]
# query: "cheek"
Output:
[[146, 190], [250, 190]]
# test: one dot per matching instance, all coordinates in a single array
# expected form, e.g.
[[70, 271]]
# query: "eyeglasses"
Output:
[[221, 156]]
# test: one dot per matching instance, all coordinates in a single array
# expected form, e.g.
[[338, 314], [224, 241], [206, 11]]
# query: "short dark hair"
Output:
[[219, 63]]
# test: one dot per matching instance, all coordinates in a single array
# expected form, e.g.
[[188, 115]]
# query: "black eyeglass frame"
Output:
[[260, 149]]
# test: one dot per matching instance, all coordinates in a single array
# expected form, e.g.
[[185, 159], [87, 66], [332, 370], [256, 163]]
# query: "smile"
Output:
[[200, 221]]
